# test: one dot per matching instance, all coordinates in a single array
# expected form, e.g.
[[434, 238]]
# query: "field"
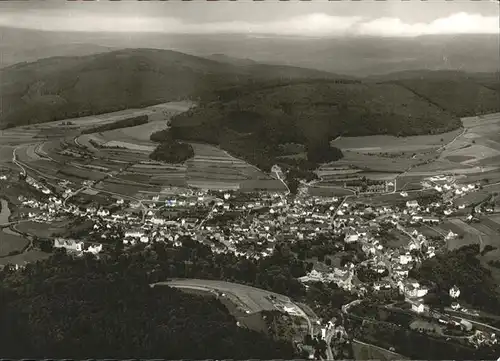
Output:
[[391, 144], [42, 230], [10, 243], [27, 257], [123, 156], [473, 198], [248, 298], [371, 162], [364, 351], [479, 146], [214, 168], [483, 233], [472, 152], [328, 191], [398, 239]]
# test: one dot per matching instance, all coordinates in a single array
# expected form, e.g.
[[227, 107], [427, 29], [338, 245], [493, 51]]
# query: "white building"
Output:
[[412, 204], [69, 244], [405, 258], [351, 237], [454, 292], [134, 233], [158, 221], [95, 249], [450, 235]]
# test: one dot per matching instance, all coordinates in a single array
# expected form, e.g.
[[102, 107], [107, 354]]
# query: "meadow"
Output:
[[11, 243]]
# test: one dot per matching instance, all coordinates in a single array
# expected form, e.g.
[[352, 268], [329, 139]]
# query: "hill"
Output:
[[353, 55], [254, 123], [63, 87], [256, 120], [463, 94], [86, 308]]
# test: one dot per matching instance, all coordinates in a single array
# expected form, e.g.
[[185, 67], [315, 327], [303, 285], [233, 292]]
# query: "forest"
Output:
[[122, 123], [460, 267], [170, 150], [85, 307]]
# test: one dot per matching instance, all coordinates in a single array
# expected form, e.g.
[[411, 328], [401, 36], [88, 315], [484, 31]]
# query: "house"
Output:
[[412, 204], [351, 236], [419, 307], [103, 212], [454, 292], [450, 236], [405, 258], [412, 289], [157, 221], [95, 249], [69, 244], [134, 233], [455, 306]]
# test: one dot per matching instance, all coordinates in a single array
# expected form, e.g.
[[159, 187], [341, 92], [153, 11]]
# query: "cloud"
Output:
[[460, 23], [317, 24]]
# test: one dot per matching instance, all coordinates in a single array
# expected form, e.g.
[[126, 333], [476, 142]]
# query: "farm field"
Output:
[[130, 146], [479, 146], [428, 231], [10, 243], [373, 162], [26, 257], [328, 191], [394, 198], [364, 351], [473, 198], [214, 168], [42, 230], [389, 144]]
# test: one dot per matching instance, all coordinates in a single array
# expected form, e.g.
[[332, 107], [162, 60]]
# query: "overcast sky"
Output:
[[317, 18]]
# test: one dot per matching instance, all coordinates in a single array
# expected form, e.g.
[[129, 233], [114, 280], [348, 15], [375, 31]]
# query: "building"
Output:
[[412, 204], [94, 248], [134, 233], [351, 236], [454, 292], [68, 244], [450, 235]]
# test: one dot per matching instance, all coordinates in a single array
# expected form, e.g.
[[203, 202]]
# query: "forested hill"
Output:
[[64, 87], [253, 119], [88, 308]]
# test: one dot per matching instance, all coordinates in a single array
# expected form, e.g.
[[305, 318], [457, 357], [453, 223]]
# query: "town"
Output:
[[391, 238]]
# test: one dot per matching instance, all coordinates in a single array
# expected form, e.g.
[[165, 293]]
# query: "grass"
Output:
[[11, 243], [253, 298], [27, 257], [473, 198], [389, 144], [398, 241], [373, 162]]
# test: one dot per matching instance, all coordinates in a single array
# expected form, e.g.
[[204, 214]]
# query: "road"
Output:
[[14, 160], [497, 330], [282, 181]]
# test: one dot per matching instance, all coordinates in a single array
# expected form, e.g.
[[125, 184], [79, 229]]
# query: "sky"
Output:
[[317, 18]]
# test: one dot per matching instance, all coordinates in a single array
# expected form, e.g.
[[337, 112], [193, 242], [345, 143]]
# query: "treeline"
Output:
[[460, 267], [170, 150], [122, 123]]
